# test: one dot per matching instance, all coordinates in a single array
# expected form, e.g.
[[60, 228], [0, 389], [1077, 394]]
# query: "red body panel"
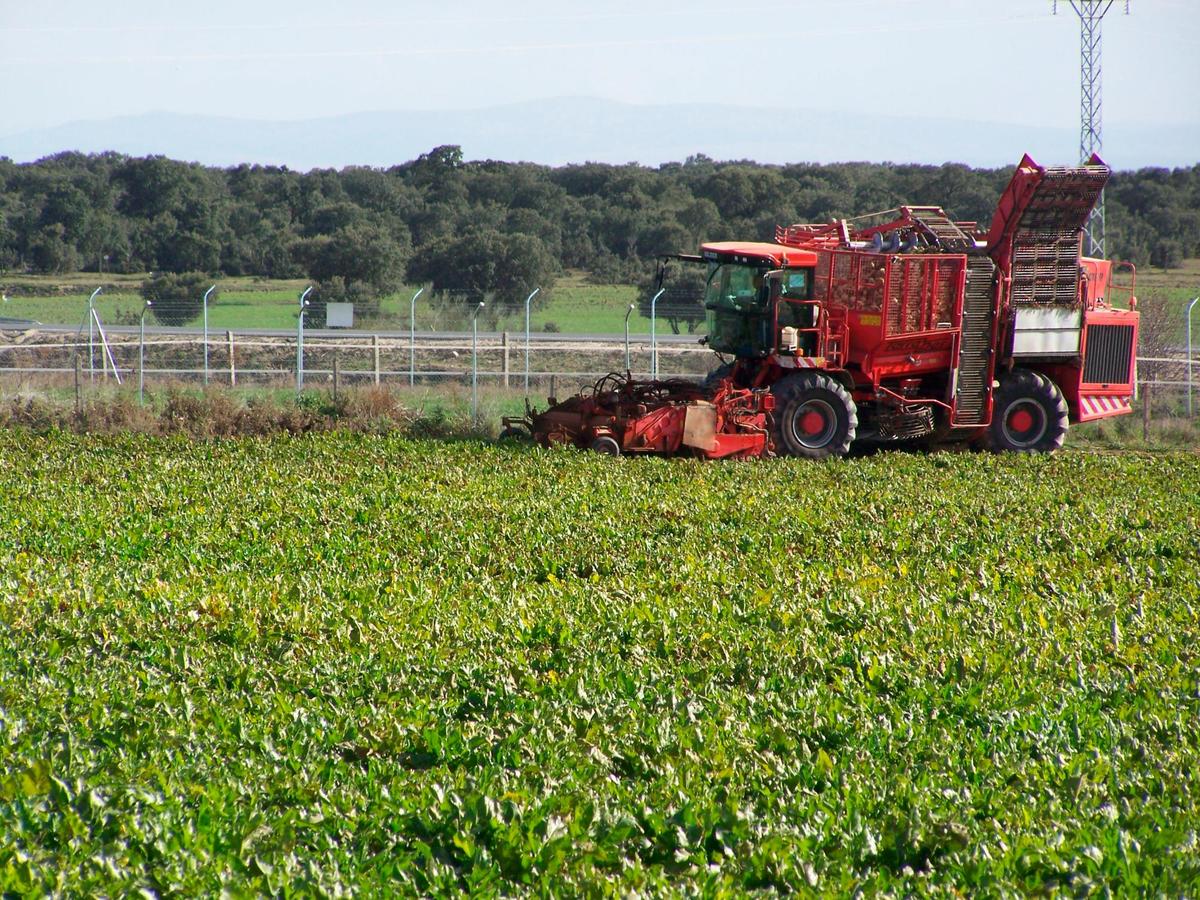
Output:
[[1101, 406], [657, 431], [1097, 274], [1106, 379], [1099, 384]]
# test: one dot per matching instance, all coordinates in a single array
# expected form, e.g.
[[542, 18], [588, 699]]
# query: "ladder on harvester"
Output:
[[837, 332], [973, 375]]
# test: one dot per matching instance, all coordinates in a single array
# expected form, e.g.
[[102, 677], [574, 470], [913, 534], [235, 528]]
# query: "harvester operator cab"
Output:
[[737, 305], [753, 311]]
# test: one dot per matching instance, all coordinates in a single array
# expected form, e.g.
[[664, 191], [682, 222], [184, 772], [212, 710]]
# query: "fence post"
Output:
[[78, 389], [628, 313], [1189, 354], [300, 341], [528, 300], [205, 302], [1146, 413], [142, 354], [504, 363], [475, 364], [335, 378], [412, 338], [92, 334], [654, 333], [108, 354], [375, 348], [232, 369]]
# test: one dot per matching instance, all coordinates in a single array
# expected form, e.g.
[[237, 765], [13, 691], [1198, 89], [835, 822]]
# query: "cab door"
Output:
[[797, 316]]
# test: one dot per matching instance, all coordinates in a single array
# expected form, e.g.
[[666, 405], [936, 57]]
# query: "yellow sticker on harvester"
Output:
[[869, 319]]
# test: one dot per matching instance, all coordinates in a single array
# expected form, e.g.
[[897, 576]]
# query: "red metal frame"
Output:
[[1084, 411]]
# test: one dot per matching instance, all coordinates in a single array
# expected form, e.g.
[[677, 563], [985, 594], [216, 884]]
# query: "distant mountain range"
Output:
[[569, 130]]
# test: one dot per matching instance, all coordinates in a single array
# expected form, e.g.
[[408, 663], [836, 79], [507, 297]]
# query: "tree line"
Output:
[[476, 227]]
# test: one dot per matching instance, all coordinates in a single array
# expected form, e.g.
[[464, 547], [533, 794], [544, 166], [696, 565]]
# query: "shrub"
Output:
[[177, 299], [339, 290]]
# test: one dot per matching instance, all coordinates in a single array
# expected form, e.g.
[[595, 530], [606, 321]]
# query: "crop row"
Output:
[[360, 663]]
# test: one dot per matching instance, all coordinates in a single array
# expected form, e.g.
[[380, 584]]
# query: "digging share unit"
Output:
[[894, 326]]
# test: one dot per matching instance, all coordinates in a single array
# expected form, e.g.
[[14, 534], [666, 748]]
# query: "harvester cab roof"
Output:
[[755, 253]]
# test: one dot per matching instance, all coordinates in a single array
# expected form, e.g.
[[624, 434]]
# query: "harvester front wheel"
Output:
[[815, 416], [606, 445], [1029, 414]]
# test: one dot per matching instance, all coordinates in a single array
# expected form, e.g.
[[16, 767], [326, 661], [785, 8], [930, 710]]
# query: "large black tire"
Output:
[[1029, 414], [606, 445], [815, 417]]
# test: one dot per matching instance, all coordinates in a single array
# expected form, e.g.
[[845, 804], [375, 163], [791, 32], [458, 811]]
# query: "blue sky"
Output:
[[1004, 60]]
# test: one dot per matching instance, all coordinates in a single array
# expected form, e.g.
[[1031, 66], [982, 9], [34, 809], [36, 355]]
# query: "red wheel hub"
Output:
[[1021, 420], [812, 422]]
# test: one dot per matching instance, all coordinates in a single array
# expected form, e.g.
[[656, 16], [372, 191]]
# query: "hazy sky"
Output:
[[1003, 60]]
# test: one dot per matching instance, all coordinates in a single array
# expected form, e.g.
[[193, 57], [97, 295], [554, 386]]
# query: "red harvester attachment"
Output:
[[666, 417]]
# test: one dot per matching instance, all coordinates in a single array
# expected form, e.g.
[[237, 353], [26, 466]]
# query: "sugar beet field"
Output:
[[361, 664]]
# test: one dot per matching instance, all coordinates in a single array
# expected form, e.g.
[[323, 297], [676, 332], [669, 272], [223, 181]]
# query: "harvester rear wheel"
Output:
[[1029, 414], [815, 416], [606, 445]]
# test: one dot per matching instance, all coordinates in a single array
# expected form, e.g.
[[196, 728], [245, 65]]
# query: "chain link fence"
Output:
[[238, 359], [33, 358], [127, 346]]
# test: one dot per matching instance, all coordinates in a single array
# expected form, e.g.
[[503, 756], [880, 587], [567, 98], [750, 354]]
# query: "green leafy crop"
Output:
[[371, 665]]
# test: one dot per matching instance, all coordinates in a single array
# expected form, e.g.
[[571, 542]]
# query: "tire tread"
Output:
[[791, 388], [1022, 384]]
